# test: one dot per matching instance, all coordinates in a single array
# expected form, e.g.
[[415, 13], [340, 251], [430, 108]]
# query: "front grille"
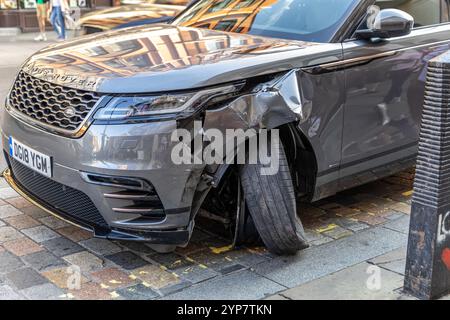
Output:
[[51, 104], [71, 202]]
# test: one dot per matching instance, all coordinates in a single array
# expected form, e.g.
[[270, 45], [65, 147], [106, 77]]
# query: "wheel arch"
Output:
[[301, 157]]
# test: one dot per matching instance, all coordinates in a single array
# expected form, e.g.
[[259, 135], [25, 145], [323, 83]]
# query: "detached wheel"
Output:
[[272, 205]]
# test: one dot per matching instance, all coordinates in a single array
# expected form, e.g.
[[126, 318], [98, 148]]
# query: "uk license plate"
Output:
[[30, 157]]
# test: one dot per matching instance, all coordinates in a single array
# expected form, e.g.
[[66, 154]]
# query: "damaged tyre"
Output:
[[272, 205]]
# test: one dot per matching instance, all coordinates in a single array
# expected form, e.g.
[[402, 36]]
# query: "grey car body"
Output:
[[351, 108]]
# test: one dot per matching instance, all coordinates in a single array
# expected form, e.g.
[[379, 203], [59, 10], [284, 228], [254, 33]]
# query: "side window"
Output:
[[425, 12]]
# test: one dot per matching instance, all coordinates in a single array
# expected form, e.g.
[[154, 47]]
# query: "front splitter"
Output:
[[173, 237]]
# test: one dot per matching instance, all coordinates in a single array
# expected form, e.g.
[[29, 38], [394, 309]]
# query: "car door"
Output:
[[384, 92]]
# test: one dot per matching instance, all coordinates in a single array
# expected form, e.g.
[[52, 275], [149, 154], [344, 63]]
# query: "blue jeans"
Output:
[[57, 20]]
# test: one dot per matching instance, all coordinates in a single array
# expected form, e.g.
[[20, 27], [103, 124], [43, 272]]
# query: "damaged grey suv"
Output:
[[87, 126]]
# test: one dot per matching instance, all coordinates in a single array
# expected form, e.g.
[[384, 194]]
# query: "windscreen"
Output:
[[308, 20]]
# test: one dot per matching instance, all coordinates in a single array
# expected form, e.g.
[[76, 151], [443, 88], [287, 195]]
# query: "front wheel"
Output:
[[271, 202]]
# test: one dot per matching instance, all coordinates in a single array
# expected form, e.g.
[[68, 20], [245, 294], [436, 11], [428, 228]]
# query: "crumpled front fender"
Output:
[[269, 106]]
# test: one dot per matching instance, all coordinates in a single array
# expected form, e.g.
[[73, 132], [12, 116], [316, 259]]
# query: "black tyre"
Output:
[[271, 202]]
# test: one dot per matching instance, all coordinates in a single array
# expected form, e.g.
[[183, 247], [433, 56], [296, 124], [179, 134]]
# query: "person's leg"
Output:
[[43, 18], [59, 22], [40, 13], [55, 20], [62, 24]]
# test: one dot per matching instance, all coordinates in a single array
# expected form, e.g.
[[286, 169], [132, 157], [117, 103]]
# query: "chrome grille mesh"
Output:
[[51, 104], [65, 199]]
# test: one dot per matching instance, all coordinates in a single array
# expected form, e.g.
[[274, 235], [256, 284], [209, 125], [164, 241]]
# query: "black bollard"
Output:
[[427, 273]]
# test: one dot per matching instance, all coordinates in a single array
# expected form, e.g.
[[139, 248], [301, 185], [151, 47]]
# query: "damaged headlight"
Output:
[[138, 106]]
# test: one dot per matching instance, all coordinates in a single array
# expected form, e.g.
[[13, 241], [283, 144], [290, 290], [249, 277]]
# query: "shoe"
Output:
[[60, 39], [384, 113], [40, 37], [44, 37]]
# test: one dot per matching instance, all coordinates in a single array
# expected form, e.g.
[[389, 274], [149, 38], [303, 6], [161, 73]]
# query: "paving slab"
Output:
[[127, 260], [244, 285], [171, 261], [74, 233], [137, 292], [231, 268], [247, 257], [6, 193], [317, 262], [19, 202], [394, 261], [43, 260], [25, 278], [139, 248], [400, 225], [40, 233], [155, 276], [394, 215], [112, 278], [351, 224], [91, 291], [9, 262], [46, 291], [9, 234], [63, 277], [182, 285], [86, 261], [8, 293], [62, 246], [8, 210], [22, 247], [208, 259], [353, 283], [100, 246], [22, 221], [53, 222], [196, 274], [34, 212]]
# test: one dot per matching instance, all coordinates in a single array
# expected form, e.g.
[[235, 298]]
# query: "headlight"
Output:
[[138, 106]]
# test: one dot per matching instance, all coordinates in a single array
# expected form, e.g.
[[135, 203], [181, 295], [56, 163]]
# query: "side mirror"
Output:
[[388, 23]]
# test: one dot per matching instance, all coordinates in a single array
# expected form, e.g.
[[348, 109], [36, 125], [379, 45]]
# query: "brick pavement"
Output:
[[40, 255]]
